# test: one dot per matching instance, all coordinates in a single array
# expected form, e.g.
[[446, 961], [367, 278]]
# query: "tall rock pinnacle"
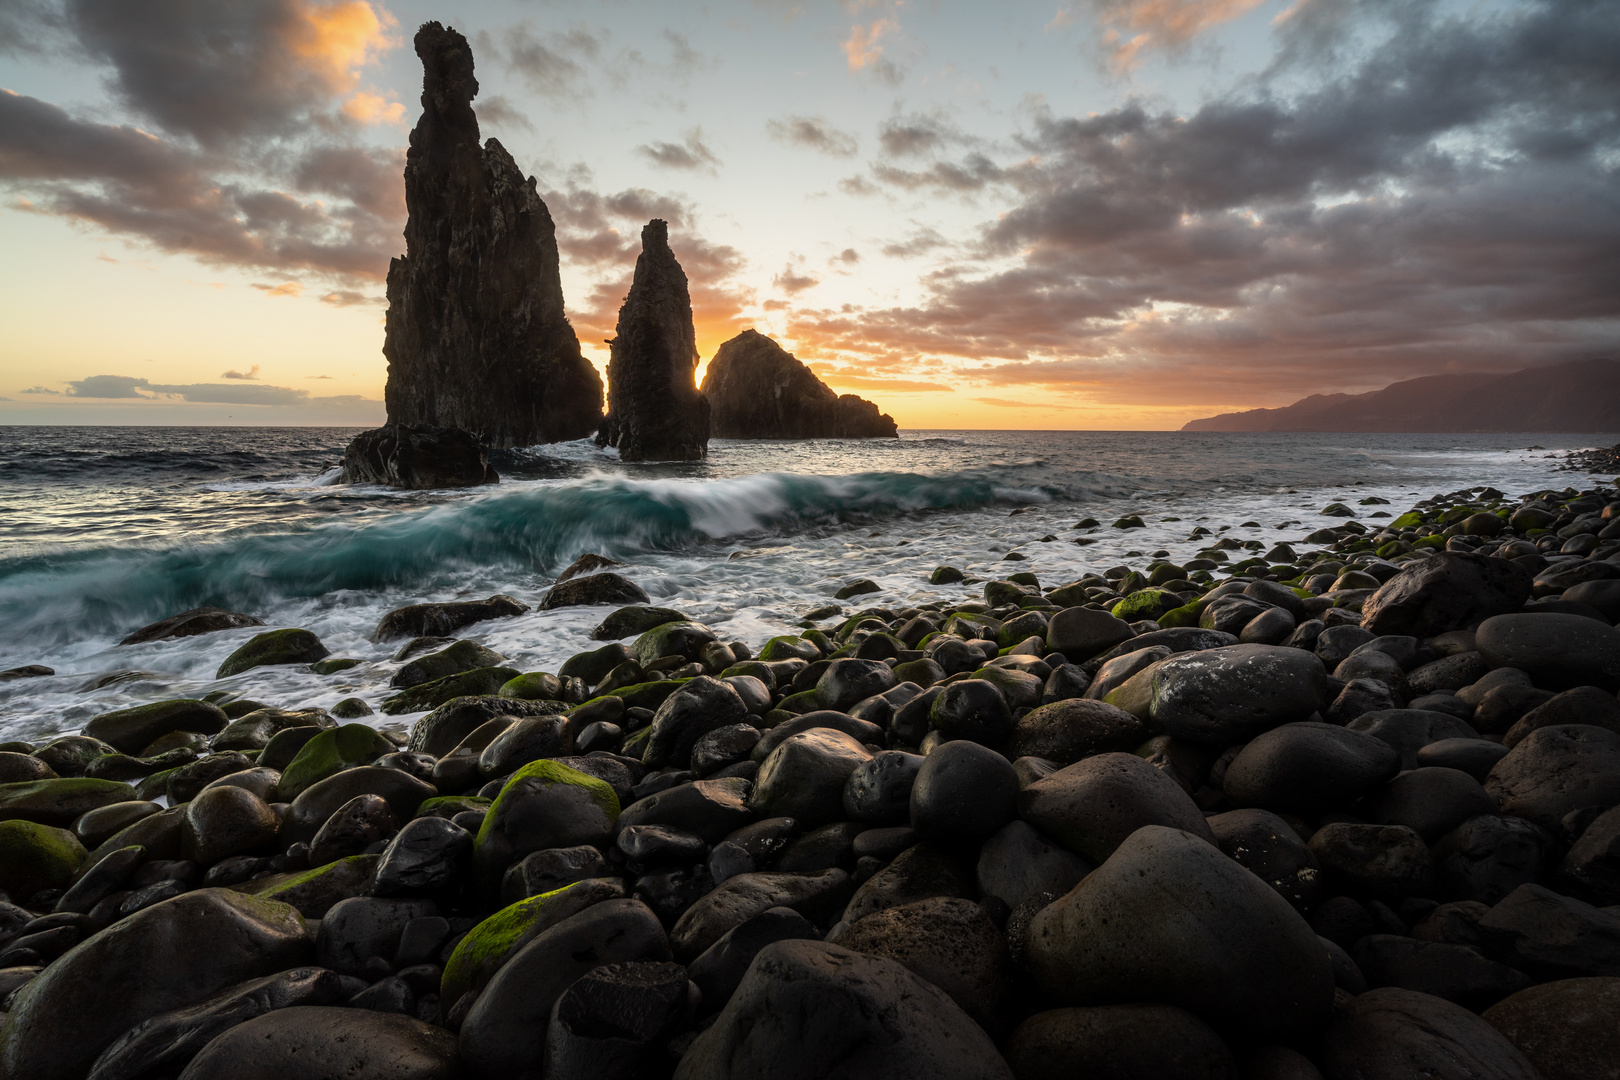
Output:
[[476, 337], [655, 411]]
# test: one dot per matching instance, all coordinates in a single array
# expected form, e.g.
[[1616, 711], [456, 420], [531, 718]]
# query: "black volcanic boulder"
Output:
[[1450, 591], [406, 456], [437, 620], [476, 338], [655, 410], [758, 390], [203, 620]]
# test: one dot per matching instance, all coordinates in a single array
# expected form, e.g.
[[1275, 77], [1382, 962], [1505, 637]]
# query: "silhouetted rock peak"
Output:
[[759, 390], [476, 337], [400, 455], [655, 410]]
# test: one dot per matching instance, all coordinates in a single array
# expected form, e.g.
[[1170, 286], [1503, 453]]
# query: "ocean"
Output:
[[103, 530]]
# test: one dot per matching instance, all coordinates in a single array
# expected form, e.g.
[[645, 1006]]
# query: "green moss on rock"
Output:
[[133, 730], [328, 754], [59, 801], [532, 686], [274, 647], [35, 857], [431, 695]]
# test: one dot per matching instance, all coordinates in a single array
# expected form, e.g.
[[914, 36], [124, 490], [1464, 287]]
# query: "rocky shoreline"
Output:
[[1344, 807]]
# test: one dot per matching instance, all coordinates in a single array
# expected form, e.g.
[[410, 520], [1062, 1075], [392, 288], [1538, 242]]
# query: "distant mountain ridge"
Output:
[[1579, 396]]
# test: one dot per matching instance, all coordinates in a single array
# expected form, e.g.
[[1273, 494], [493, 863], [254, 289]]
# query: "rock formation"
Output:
[[400, 455], [476, 336], [655, 410], [758, 390]]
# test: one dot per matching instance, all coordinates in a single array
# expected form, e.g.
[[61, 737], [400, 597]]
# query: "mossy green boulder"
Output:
[[634, 619], [594, 665], [789, 647], [334, 665], [498, 938], [274, 647], [35, 857], [672, 639], [133, 730], [478, 682], [533, 686], [314, 892], [453, 659], [59, 801], [448, 806], [945, 575], [1130, 521], [544, 805], [647, 695], [1145, 604], [328, 754]]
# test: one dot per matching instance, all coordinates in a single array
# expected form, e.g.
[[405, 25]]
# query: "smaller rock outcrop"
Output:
[[400, 455], [758, 390], [655, 410]]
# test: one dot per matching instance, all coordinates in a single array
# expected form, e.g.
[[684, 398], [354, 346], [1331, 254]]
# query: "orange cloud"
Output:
[[337, 39], [286, 288], [373, 109], [1133, 27], [861, 48]]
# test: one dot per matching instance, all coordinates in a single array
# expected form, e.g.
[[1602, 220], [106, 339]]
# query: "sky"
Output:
[[1093, 214]]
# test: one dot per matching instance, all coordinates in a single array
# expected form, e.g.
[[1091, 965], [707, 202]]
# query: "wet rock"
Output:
[[1394, 1032], [501, 1035], [1476, 757], [601, 588], [164, 957], [328, 754], [1487, 857], [1308, 768], [358, 824], [613, 1022], [972, 709], [544, 805], [452, 660], [1092, 806], [168, 1041], [685, 639], [1082, 633], [440, 620], [818, 896], [1552, 936], [1389, 861], [132, 730], [1582, 705], [719, 970], [524, 741], [273, 647], [314, 892], [804, 777], [1558, 652], [849, 681], [1568, 1029], [416, 456], [963, 792], [1018, 863], [203, 620], [1231, 950], [479, 344], [1410, 730], [59, 801], [1269, 848], [1450, 591], [322, 1041], [809, 1009], [878, 791], [697, 708], [1431, 801], [402, 791], [356, 930], [18, 768], [655, 410], [226, 821], [442, 730], [1557, 770], [757, 390], [424, 856], [1160, 1041], [917, 873], [709, 808], [1067, 731], [1457, 973], [34, 857], [951, 943], [1227, 695], [861, 731]]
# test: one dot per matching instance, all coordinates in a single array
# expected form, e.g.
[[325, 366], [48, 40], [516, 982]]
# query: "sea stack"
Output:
[[476, 337], [758, 390], [655, 410]]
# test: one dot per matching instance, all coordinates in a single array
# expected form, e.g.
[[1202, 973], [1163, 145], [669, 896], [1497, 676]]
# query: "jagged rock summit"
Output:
[[759, 390], [655, 410], [476, 337]]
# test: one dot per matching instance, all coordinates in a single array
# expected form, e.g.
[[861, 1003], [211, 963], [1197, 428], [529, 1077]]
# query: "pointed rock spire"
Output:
[[655, 411]]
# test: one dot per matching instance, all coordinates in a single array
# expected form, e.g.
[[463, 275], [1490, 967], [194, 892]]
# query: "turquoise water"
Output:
[[105, 529]]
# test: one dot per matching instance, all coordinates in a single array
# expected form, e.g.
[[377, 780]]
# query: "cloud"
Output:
[[349, 298], [40, 390], [915, 134], [1412, 192], [107, 386], [792, 281], [861, 48], [813, 133], [550, 64], [286, 288], [1131, 28], [849, 257], [498, 111], [317, 376], [1011, 403], [918, 243], [690, 153], [251, 373], [244, 142]]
